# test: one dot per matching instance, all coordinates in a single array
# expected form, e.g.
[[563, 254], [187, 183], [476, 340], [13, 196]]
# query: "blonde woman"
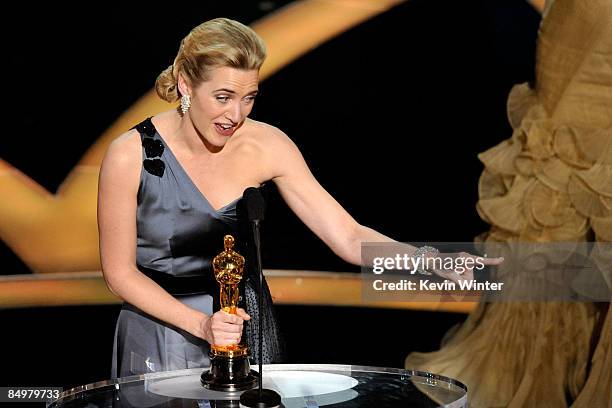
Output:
[[173, 186]]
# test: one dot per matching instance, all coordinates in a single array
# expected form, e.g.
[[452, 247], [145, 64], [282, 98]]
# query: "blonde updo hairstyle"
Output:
[[220, 42]]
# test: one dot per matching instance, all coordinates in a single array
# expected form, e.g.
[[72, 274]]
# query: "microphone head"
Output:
[[254, 203]]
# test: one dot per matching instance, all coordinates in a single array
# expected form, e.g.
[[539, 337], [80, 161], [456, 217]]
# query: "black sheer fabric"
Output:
[[273, 346]]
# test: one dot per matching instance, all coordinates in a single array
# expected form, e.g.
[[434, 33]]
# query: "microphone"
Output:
[[255, 208], [255, 204]]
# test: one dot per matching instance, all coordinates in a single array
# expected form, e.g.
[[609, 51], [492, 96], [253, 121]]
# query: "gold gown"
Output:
[[550, 182]]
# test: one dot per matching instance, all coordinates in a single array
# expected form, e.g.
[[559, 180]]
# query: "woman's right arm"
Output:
[[117, 192]]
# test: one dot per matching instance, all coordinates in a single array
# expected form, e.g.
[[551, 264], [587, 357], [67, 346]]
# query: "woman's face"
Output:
[[220, 105]]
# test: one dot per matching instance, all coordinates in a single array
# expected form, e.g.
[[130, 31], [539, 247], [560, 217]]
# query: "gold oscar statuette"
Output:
[[228, 268], [230, 369]]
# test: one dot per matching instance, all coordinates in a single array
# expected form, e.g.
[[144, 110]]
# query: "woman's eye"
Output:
[[223, 99], [250, 98]]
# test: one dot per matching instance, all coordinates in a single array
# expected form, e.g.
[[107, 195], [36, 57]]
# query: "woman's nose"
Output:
[[234, 113]]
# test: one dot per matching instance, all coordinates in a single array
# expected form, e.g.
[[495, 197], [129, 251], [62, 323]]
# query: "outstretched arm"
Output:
[[323, 214], [313, 204]]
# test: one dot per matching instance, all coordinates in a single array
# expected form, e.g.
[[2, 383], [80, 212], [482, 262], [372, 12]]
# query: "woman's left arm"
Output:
[[313, 204], [324, 215]]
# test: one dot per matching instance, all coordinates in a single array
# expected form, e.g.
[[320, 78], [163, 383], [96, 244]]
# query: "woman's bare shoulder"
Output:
[[273, 149], [124, 147], [123, 157], [268, 135]]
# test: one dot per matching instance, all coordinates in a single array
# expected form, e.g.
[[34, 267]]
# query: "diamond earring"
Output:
[[185, 103]]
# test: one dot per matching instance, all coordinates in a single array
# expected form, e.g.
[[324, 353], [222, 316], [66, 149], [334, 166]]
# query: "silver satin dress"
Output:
[[178, 234]]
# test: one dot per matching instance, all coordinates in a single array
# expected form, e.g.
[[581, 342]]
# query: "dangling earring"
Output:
[[185, 103]]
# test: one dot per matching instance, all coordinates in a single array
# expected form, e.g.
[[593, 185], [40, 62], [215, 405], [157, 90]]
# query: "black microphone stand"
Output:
[[261, 397]]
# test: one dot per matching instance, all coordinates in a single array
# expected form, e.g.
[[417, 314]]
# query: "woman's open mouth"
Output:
[[225, 129]]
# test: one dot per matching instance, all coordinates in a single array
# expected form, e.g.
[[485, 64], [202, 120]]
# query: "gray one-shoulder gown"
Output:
[[178, 233]]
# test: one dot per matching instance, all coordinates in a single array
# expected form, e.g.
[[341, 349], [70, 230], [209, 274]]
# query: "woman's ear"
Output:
[[183, 85]]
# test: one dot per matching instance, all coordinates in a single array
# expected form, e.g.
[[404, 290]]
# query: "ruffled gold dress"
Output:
[[550, 182]]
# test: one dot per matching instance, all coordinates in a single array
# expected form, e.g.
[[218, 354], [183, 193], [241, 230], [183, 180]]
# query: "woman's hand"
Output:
[[222, 328], [460, 266]]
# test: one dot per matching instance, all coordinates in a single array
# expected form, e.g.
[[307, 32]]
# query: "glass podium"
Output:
[[300, 385]]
